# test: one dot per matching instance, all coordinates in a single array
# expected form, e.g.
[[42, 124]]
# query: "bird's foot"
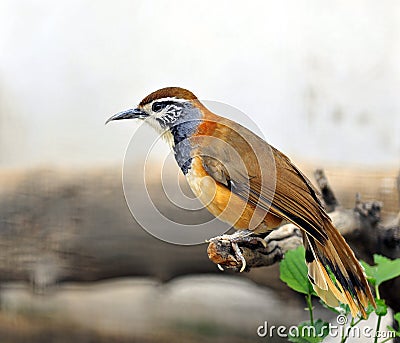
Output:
[[232, 241]]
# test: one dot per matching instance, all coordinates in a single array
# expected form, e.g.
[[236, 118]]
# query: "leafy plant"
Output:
[[383, 270], [293, 272]]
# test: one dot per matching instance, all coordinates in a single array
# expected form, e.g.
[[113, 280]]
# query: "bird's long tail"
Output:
[[335, 272]]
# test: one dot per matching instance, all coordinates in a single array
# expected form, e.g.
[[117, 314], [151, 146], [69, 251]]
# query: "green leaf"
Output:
[[307, 333], [369, 309], [397, 317], [369, 271], [383, 270], [293, 271], [381, 307]]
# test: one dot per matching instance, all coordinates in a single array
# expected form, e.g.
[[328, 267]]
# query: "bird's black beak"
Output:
[[133, 113]]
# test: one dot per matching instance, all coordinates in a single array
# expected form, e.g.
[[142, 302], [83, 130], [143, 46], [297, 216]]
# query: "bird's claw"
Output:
[[239, 256], [233, 240]]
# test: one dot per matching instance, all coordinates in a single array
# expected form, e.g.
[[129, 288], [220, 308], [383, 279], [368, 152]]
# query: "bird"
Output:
[[247, 183]]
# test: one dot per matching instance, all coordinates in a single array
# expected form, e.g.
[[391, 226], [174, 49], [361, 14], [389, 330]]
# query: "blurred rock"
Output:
[[205, 306]]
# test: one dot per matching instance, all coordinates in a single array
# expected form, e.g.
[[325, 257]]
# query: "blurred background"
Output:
[[320, 79]]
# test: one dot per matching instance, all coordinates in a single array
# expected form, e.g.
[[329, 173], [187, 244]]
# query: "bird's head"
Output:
[[164, 108]]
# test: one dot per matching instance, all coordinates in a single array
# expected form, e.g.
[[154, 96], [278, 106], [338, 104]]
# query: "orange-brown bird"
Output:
[[249, 184]]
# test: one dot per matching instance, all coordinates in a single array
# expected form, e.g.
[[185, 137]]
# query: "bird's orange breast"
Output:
[[225, 205]]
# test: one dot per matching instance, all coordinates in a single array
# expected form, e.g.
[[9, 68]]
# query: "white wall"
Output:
[[320, 78]]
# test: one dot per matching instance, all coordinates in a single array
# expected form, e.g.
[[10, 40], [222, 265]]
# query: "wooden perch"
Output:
[[328, 196], [285, 238]]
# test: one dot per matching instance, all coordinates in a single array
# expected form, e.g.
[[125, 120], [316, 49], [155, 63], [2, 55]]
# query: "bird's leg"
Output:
[[241, 236]]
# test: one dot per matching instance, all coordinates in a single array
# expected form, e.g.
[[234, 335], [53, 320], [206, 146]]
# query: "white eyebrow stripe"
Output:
[[170, 99]]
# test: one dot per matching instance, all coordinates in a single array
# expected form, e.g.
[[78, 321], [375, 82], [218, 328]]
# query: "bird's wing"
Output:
[[273, 183], [296, 198]]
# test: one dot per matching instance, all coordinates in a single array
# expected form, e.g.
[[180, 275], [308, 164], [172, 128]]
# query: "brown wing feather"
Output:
[[296, 197], [271, 182]]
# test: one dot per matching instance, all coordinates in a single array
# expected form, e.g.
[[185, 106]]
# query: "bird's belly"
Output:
[[225, 205]]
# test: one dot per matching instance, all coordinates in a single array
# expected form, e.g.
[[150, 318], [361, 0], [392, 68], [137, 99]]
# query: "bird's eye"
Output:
[[158, 106]]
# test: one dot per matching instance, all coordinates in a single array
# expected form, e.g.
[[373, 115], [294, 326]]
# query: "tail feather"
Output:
[[349, 284]]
